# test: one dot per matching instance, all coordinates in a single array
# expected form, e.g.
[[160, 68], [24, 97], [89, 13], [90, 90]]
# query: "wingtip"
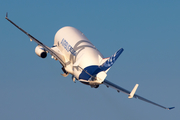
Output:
[[170, 108], [6, 15]]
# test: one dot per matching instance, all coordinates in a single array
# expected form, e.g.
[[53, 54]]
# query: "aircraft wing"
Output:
[[52, 52], [132, 93]]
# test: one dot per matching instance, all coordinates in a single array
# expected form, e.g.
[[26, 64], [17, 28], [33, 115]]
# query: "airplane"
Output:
[[81, 59]]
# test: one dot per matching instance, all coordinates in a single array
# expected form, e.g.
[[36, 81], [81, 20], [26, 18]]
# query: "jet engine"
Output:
[[39, 50]]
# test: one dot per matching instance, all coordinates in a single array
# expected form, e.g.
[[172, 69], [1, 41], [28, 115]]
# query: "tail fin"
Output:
[[106, 65]]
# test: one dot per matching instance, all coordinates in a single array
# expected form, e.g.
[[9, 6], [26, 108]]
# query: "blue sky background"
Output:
[[32, 88]]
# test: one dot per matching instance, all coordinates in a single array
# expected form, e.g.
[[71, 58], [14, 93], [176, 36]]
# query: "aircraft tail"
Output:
[[111, 60]]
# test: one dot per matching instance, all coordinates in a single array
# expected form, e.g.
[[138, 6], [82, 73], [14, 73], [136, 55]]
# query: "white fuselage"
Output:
[[79, 57], [78, 52]]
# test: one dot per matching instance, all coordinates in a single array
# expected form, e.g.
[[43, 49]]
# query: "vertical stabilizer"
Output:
[[109, 62]]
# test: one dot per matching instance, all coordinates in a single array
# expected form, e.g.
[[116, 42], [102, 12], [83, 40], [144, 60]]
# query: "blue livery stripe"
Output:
[[90, 70], [95, 69], [111, 60]]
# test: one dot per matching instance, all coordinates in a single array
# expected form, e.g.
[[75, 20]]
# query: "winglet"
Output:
[[131, 95], [170, 108], [6, 15]]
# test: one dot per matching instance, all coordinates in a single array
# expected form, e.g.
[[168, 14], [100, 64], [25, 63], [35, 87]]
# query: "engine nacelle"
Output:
[[39, 50]]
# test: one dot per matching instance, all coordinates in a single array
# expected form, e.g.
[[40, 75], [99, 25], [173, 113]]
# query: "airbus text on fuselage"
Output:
[[81, 59]]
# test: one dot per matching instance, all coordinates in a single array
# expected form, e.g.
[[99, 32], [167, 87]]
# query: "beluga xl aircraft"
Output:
[[80, 58]]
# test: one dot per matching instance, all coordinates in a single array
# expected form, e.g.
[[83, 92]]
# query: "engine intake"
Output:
[[39, 50]]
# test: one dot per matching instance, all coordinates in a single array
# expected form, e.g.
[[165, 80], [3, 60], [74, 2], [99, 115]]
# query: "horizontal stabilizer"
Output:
[[131, 95], [120, 89]]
